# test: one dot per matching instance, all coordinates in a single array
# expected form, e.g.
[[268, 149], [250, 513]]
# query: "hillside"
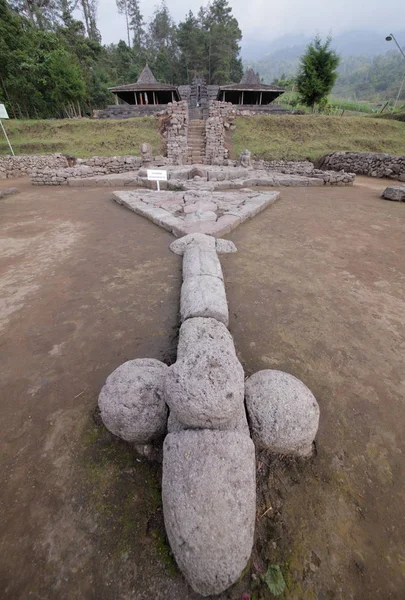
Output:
[[298, 137], [347, 43], [370, 68], [82, 137]]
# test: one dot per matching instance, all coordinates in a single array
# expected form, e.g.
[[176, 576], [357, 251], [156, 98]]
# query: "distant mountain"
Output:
[[357, 50], [349, 43]]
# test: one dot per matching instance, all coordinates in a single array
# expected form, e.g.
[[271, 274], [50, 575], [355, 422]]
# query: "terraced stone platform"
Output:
[[213, 213]]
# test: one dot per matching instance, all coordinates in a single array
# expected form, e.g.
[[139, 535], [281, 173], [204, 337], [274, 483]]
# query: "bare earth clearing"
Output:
[[316, 289]]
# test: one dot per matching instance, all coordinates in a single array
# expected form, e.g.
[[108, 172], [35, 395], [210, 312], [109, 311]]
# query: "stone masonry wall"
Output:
[[176, 132], [12, 167], [365, 163], [92, 167], [128, 111], [305, 169], [219, 114]]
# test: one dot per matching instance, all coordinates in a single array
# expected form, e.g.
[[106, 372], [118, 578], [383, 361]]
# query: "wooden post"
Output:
[[243, 94], [136, 99], [224, 95], [116, 99], [261, 96], [172, 96], [154, 98]]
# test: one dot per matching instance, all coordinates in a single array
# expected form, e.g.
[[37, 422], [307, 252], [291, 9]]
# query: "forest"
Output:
[[54, 65]]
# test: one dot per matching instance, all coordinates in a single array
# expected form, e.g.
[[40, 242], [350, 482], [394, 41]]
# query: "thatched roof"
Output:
[[146, 82], [250, 82]]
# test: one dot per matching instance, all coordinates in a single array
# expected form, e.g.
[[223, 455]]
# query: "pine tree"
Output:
[[161, 45], [136, 24], [222, 45], [89, 9], [317, 72], [191, 39], [122, 6]]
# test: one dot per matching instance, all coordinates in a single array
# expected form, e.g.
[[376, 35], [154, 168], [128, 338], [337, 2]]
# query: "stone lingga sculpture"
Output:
[[209, 464]]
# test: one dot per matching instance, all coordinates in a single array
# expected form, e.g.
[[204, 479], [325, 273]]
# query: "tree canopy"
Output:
[[317, 72], [54, 65]]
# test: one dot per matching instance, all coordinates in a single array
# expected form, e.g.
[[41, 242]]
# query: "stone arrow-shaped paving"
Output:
[[212, 213]]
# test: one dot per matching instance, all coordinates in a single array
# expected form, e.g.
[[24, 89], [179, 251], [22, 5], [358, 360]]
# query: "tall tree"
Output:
[[89, 10], [122, 6], [191, 39], [40, 12], [136, 24], [222, 44], [161, 44], [317, 72]]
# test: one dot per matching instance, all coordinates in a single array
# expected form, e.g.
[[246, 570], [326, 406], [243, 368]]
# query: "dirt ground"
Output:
[[316, 289]]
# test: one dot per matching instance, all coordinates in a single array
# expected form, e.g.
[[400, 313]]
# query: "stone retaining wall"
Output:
[[92, 167], [128, 111], [12, 167], [306, 168], [365, 163]]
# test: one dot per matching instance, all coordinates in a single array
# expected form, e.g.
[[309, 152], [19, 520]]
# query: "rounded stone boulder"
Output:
[[209, 503], [205, 387], [283, 412], [132, 402]]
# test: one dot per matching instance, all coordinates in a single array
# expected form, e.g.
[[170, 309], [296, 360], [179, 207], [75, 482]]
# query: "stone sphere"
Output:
[[283, 412], [132, 401]]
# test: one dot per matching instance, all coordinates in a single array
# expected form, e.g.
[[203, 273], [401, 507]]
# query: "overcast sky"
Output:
[[268, 19]]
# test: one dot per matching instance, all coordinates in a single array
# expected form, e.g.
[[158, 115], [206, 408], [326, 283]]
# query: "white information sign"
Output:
[[4, 115], [3, 112], [157, 175]]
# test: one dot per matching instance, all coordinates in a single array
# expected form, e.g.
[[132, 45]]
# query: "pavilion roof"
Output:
[[146, 82], [252, 87]]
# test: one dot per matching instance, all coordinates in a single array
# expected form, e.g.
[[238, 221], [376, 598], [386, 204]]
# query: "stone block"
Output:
[[193, 239], [197, 262], [205, 387], [394, 193], [209, 505], [204, 297]]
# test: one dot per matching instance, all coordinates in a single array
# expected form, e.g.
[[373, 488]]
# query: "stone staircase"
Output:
[[196, 142]]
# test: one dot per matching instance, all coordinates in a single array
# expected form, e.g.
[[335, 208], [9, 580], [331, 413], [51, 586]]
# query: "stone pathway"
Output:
[[213, 213]]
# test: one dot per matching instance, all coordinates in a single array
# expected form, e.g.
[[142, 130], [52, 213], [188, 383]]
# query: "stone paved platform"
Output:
[[213, 213]]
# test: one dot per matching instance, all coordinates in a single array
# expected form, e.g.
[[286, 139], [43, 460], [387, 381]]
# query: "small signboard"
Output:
[[3, 112], [4, 115], [157, 175]]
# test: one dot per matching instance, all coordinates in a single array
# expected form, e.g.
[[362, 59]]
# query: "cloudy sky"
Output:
[[267, 19]]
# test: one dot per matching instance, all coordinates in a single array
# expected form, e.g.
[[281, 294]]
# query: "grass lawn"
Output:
[[296, 137], [82, 137]]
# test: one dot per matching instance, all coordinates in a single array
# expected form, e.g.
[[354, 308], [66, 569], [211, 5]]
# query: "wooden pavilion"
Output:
[[250, 91], [145, 91]]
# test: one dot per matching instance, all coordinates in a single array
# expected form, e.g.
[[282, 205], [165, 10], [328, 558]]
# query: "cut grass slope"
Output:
[[300, 137], [82, 137]]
